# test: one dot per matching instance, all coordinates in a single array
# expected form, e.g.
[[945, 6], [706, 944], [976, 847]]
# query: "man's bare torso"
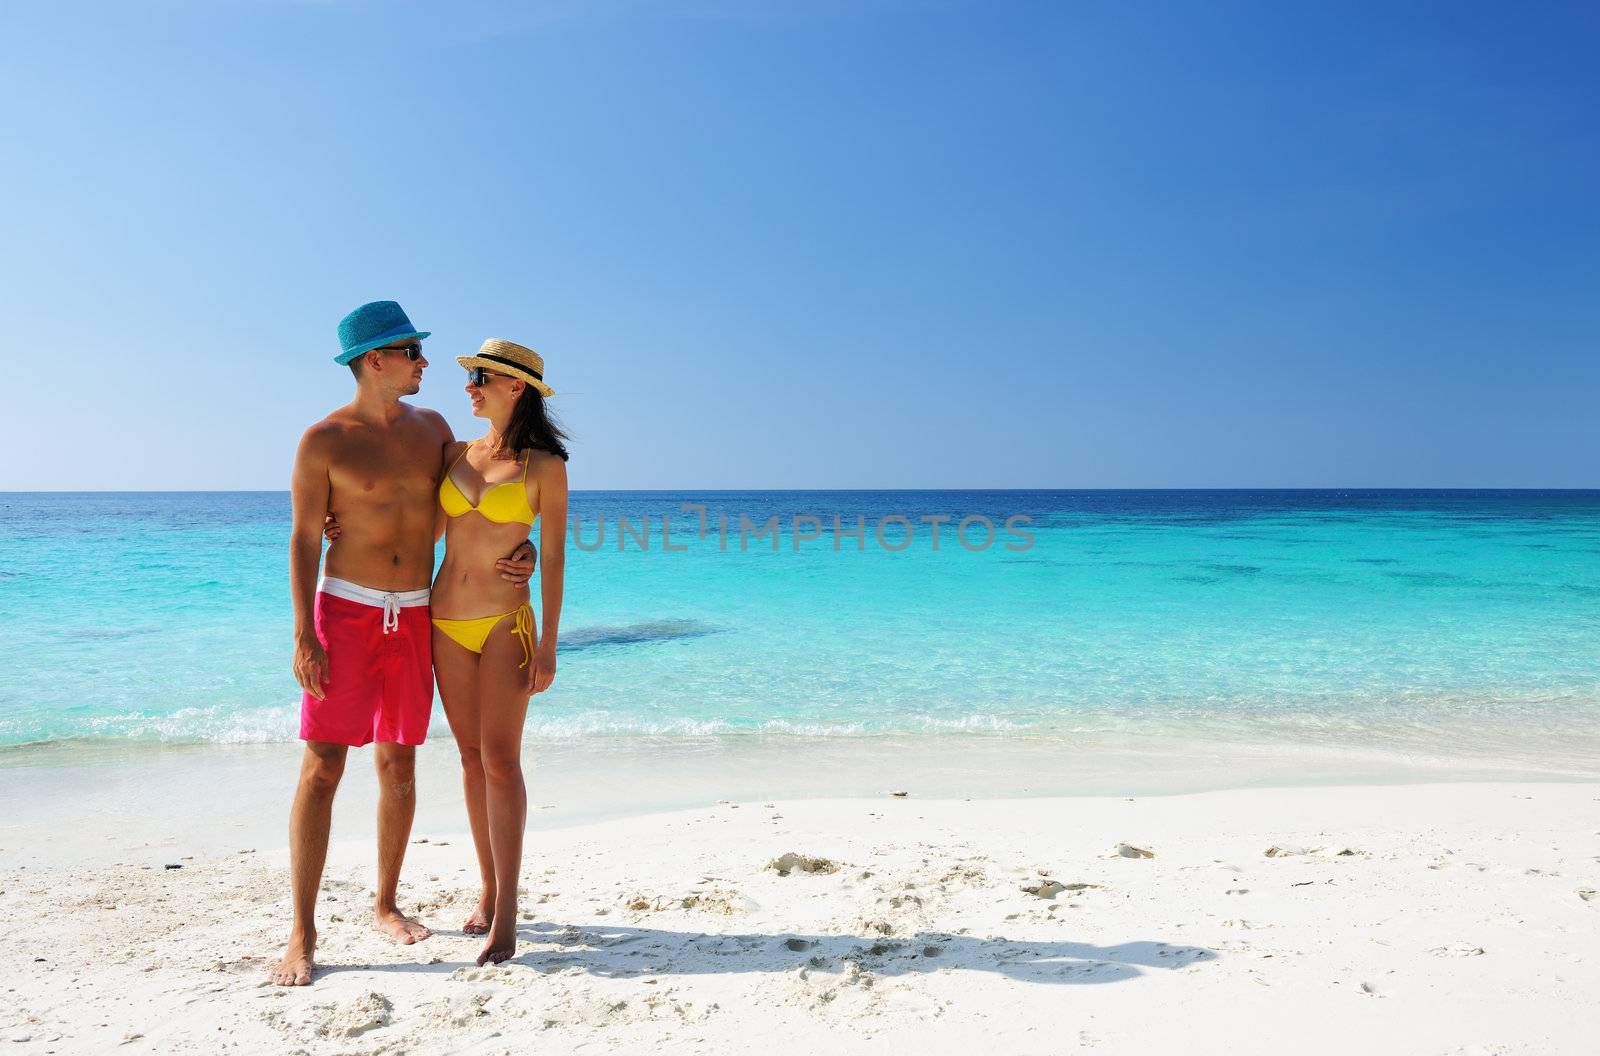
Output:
[[383, 481]]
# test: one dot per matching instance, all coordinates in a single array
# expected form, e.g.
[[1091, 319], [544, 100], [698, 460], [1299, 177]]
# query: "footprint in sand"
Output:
[[458, 1011], [1051, 888], [351, 1019], [1044, 888], [718, 901], [1290, 852], [790, 862]]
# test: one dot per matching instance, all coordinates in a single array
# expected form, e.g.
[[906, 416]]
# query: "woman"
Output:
[[487, 656]]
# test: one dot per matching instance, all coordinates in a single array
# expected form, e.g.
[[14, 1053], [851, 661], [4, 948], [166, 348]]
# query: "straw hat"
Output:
[[503, 357]]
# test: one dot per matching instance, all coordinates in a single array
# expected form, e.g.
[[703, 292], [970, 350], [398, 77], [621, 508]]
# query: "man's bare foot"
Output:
[[499, 948], [399, 927], [295, 969], [479, 920]]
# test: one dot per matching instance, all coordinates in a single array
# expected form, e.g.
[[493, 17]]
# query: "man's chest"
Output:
[[383, 464]]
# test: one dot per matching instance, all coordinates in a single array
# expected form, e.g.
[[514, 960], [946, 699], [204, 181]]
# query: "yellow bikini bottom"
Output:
[[471, 634]]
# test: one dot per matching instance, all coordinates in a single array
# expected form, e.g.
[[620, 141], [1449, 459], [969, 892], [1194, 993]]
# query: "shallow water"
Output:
[[1419, 622]]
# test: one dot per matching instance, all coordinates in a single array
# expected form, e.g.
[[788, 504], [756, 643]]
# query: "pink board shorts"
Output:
[[379, 685]]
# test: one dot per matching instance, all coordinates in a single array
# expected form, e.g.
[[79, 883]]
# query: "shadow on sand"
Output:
[[624, 951]]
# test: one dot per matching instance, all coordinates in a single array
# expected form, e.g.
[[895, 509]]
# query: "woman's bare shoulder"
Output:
[[547, 482], [546, 466]]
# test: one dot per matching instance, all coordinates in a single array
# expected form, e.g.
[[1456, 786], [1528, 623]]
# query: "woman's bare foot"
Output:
[[481, 917], [499, 948], [399, 927], [295, 969]]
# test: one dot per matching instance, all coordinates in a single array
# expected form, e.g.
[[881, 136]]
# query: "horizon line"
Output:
[[741, 491]]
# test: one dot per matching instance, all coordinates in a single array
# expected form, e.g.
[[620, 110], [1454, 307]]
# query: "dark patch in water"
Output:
[[1427, 579], [635, 633], [1234, 570], [1376, 560], [109, 634], [1208, 580], [1584, 589]]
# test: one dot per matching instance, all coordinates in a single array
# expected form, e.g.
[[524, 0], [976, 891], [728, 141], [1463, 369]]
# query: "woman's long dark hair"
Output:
[[531, 426]]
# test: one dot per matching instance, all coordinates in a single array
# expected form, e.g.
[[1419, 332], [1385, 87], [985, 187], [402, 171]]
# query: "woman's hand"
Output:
[[542, 671], [518, 568], [330, 527]]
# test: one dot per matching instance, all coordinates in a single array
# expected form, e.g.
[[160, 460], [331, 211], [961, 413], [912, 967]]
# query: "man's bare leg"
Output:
[[309, 819], [397, 805]]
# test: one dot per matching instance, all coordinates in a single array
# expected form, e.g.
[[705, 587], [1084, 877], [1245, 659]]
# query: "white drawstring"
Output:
[[391, 602]]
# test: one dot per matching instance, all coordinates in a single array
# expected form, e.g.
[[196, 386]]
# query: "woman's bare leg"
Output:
[[456, 669], [502, 709]]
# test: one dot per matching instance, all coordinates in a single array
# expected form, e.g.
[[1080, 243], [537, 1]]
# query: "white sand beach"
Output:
[[1446, 918]]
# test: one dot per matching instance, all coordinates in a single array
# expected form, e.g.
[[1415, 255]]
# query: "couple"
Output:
[[370, 636]]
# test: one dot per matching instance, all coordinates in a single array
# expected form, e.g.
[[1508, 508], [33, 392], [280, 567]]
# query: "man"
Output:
[[362, 635]]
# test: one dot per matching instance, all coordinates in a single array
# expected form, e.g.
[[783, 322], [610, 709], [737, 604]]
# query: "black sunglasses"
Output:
[[412, 349], [478, 377]]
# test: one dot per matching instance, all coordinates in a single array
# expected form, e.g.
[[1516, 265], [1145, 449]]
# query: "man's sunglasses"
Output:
[[412, 349], [478, 377]]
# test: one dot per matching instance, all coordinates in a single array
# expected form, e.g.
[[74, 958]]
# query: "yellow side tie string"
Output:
[[523, 628]]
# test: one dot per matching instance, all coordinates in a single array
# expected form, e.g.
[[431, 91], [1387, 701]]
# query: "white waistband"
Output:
[[400, 599], [391, 602]]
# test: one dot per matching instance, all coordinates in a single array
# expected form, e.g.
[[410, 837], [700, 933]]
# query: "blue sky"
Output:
[[868, 244]]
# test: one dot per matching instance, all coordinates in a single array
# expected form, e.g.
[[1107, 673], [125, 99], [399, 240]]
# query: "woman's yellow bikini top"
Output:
[[501, 503]]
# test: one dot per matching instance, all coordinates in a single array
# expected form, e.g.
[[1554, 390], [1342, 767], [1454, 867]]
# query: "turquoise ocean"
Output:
[[1435, 621]]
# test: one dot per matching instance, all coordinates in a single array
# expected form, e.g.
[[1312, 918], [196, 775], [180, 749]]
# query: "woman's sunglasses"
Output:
[[478, 377], [412, 349]]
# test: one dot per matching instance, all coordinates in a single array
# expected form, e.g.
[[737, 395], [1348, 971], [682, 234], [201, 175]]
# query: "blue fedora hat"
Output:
[[373, 324]]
